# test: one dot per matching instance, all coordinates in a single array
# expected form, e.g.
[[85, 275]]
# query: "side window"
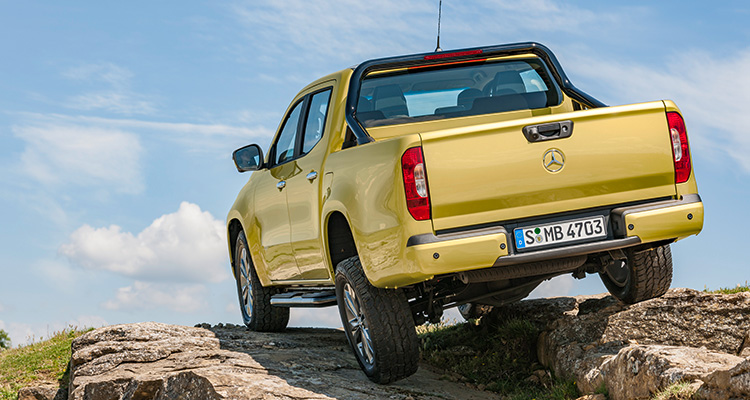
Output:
[[284, 148], [316, 119], [533, 82]]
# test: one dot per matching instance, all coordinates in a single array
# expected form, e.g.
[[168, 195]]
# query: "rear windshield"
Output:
[[475, 88]]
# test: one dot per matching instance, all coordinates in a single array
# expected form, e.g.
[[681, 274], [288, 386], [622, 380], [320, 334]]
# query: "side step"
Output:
[[323, 298]]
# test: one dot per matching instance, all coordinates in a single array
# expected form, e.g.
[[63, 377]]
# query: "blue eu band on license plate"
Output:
[[560, 232]]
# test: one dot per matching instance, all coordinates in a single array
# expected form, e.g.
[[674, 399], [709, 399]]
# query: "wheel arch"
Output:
[[340, 243], [234, 227]]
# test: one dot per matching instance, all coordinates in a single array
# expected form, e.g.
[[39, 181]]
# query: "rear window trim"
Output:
[[360, 133], [548, 78]]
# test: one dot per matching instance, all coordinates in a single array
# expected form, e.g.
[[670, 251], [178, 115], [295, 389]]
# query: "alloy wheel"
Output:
[[618, 272], [246, 286], [358, 326]]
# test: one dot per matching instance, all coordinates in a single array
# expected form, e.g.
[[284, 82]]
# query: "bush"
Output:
[[4, 340], [45, 361], [498, 356], [730, 290]]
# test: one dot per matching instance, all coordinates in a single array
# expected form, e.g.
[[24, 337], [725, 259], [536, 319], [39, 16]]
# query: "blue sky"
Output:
[[117, 121]]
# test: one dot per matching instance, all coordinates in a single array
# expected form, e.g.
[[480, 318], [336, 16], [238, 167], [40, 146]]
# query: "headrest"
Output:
[[467, 96], [508, 80]]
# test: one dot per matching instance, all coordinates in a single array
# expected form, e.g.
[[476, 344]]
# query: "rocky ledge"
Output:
[[635, 351], [630, 352], [157, 361]]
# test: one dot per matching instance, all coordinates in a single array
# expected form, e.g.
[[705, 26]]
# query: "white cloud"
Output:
[[555, 287], [87, 321], [711, 90], [194, 137], [147, 296], [352, 30], [315, 317], [100, 72], [117, 96], [511, 17], [64, 154], [117, 102], [58, 273], [19, 334], [22, 334], [188, 245], [296, 28]]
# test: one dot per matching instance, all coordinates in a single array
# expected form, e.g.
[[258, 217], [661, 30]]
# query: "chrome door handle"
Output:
[[281, 185], [311, 176]]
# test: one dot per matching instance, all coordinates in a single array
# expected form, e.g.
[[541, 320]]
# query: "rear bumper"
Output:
[[493, 247], [674, 219]]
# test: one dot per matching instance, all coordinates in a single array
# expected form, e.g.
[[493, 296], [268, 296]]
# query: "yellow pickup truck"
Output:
[[408, 185]]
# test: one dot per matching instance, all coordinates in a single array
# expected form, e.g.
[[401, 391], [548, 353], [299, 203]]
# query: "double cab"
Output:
[[408, 185]]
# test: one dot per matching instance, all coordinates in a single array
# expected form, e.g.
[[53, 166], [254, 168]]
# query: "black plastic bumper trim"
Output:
[[569, 251], [687, 199], [432, 238]]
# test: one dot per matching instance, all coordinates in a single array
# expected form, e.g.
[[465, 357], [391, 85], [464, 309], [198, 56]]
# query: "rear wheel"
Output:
[[255, 300], [378, 324], [644, 275]]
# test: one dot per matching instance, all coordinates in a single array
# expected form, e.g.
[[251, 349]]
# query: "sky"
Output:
[[118, 119]]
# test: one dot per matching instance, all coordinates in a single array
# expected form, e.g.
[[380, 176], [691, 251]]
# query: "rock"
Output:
[[43, 392], [637, 350], [685, 317], [158, 361], [733, 383], [636, 372], [593, 397], [745, 348]]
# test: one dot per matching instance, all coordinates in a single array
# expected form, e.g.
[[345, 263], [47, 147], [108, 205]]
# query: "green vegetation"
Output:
[[44, 361], [499, 356], [676, 391], [4, 340], [739, 288]]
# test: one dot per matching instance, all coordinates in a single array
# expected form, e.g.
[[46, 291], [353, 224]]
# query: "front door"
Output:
[[271, 201]]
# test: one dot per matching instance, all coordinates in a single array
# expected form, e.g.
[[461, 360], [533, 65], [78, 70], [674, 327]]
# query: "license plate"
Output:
[[560, 232]]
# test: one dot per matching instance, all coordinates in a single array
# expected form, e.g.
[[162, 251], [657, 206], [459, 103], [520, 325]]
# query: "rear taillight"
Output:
[[680, 148], [415, 184]]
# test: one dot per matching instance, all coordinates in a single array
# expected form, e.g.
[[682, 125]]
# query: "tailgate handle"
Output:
[[548, 131]]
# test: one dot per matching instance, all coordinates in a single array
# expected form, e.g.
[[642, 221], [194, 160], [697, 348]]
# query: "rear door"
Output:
[[493, 172], [304, 188]]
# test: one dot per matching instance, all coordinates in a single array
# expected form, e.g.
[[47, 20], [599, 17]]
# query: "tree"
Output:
[[4, 340]]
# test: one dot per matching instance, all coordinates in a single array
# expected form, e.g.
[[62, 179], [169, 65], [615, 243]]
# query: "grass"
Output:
[[41, 362], [499, 357], [676, 391], [739, 288]]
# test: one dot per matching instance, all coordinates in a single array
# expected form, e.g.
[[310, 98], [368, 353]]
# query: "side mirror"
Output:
[[248, 158]]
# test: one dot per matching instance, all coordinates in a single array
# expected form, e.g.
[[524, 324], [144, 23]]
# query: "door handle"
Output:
[[281, 185], [311, 176], [548, 131]]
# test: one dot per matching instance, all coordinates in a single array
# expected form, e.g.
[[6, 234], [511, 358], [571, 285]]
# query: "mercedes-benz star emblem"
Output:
[[553, 160]]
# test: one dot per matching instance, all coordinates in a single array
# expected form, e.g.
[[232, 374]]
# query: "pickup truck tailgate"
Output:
[[489, 173]]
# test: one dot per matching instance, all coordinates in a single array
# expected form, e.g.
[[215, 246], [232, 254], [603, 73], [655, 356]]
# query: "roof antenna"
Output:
[[440, 14]]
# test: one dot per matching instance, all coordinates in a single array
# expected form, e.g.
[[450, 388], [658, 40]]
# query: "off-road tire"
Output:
[[389, 320], [263, 317], [650, 275]]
